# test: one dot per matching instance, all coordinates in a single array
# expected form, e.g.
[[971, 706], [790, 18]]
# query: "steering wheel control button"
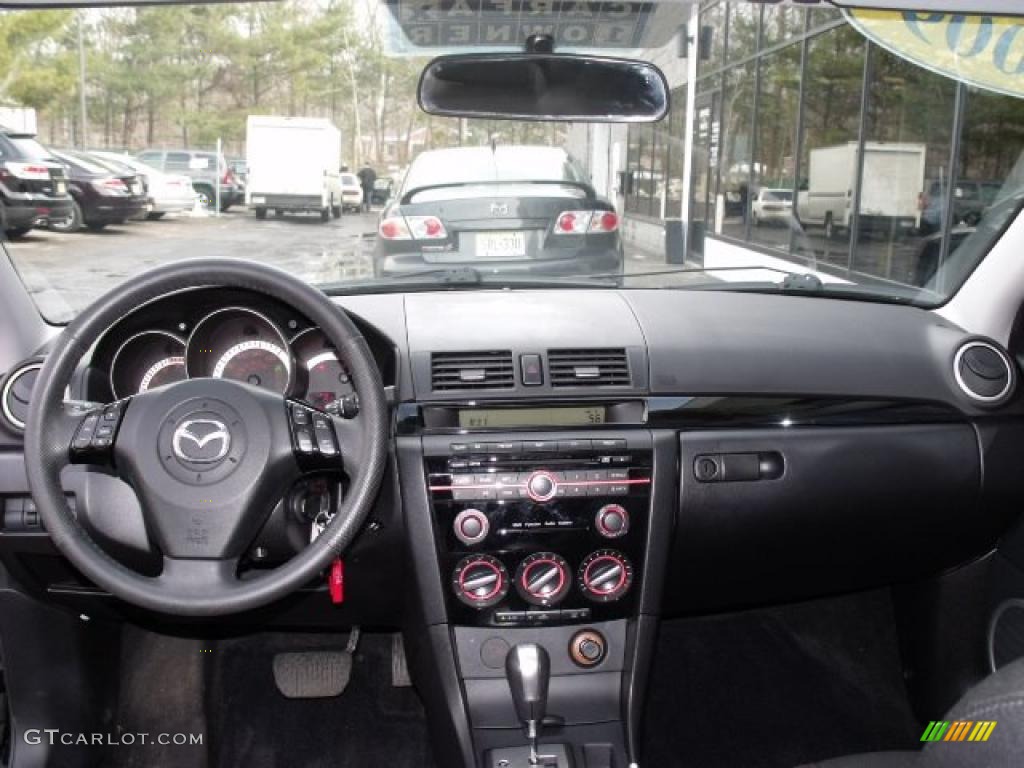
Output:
[[315, 442], [95, 435], [480, 581], [471, 526], [541, 486], [612, 521], [543, 579], [588, 648], [605, 576]]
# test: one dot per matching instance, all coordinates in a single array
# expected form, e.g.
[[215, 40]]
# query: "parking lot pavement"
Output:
[[67, 271]]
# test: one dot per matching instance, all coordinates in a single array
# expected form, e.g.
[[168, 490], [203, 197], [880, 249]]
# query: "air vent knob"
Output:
[[983, 372]]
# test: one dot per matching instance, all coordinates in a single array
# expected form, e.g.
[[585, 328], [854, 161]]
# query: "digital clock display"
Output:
[[505, 418]]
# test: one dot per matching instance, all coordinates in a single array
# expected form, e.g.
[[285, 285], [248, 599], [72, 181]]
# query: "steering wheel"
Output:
[[208, 459]]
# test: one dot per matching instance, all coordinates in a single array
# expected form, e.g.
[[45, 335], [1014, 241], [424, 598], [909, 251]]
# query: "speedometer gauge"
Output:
[[241, 344], [257, 362], [165, 371]]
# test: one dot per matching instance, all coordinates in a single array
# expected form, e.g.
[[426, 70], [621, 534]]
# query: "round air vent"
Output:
[[1006, 634], [16, 392], [983, 372]]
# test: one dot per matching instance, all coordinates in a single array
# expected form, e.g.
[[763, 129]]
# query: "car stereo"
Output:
[[536, 529]]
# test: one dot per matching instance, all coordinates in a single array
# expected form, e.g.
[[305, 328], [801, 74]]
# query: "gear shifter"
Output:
[[528, 669]]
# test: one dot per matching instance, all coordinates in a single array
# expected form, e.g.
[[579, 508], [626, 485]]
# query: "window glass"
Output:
[[733, 202], [775, 147], [743, 21], [908, 142], [713, 19], [832, 102], [650, 161], [781, 23], [633, 168], [676, 149]]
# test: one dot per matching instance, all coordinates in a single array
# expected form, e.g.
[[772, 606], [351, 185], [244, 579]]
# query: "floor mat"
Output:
[[370, 724], [778, 687]]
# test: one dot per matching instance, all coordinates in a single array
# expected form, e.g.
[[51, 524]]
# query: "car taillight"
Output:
[[572, 222], [394, 228], [426, 227], [110, 187], [29, 171], [604, 221]]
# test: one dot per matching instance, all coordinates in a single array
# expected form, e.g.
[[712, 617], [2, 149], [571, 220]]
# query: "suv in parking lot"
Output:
[[33, 185], [206, 171]]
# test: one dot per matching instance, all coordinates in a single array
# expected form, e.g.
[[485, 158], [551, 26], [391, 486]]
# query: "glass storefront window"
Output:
[[733, 202], [907, 149], [676, 147], [781, 23], [827, 177], [775, 148], [743, 25], [715, 18]]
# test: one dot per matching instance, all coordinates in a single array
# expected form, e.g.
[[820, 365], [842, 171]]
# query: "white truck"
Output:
[[891, 190], [294, 166]]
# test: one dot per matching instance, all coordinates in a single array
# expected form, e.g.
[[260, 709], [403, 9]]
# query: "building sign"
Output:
[[427, 26], [983, 51]]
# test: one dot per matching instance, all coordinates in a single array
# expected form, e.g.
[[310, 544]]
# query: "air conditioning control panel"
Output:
[[536, 529]]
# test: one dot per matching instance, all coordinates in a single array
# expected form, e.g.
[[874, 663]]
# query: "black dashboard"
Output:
[[570, 465]]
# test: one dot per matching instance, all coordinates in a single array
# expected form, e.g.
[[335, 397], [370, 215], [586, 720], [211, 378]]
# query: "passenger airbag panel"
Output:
[[854, 507]]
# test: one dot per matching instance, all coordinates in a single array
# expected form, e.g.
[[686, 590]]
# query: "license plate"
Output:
[[258, 200], [501, 245], [60, 189]]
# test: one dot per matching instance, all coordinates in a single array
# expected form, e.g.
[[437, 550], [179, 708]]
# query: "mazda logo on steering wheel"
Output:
[[201, 441]]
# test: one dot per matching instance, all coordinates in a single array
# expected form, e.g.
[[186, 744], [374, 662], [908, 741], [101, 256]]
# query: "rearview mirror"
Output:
[[534, 86]]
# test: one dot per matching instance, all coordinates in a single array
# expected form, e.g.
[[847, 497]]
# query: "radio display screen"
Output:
[[556, 416]]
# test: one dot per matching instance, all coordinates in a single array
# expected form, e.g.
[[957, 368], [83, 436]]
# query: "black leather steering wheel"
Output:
[[204, 500]]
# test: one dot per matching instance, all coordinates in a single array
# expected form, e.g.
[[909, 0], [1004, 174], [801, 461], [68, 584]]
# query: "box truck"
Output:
[[294, 165], [891, 189]]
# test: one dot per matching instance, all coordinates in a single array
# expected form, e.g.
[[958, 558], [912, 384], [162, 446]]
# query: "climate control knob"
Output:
[[605, 575], [471, 526], [543, 578], [541, 486], [480, 581], [612, 521]]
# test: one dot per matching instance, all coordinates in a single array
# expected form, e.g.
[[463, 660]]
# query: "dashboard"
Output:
[[245, 338]]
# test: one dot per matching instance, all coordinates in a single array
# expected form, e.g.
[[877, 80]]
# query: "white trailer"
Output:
[[890, 198], [294, 165]]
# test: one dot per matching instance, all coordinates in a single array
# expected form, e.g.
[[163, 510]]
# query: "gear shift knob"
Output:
[[528, 669]]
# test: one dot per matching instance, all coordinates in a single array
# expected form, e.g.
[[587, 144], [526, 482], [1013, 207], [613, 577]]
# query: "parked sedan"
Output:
[[772, 206], [514, 209], [165, 192], [102, 194], [351, 192], [33, 186]]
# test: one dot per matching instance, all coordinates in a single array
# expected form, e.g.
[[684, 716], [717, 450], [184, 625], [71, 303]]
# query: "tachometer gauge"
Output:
[[165, 371], [257, 362], [243, 345], [146, 361], [326, 379]]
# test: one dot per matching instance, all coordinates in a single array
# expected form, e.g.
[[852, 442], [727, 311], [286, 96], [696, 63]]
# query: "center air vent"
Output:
[[588, 368], [17, 390], [471, 370]]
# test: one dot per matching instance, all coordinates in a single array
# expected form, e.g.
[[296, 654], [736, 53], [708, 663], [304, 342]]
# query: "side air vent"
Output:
[[588, 368], [983, 372], [471, 370], [16, 393]]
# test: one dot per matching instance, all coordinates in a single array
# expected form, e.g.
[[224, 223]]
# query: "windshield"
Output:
[[880, 153]]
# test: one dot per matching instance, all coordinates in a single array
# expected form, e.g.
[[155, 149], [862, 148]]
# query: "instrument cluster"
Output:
[[238, 343]]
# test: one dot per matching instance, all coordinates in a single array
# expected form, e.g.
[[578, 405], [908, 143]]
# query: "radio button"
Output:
[[471, 526], [542, 486], [575, 446], [618, 474], [575, 476], [488, 479], [509, 478], [463, 480], [612, 521], [508, 493], [609, 445], [541, 446], [597, 474], [510, 447]]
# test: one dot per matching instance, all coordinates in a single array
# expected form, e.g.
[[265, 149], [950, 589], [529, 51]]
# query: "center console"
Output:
[[541, 541]]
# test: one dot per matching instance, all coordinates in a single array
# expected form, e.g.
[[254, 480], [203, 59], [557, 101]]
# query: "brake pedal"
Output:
[[315, 674]]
